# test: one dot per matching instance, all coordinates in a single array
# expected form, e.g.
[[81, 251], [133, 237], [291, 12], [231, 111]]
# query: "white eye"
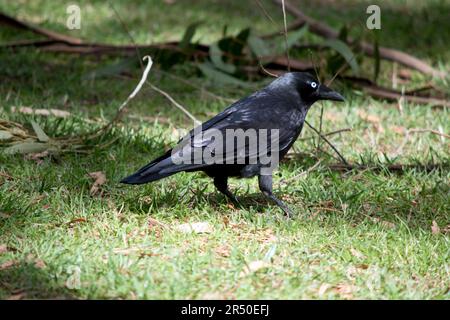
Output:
[[313, 85]]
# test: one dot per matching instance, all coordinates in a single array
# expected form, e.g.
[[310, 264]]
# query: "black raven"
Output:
[[279, 109]]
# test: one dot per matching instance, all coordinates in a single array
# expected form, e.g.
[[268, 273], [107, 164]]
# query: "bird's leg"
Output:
[[265, 185], [221, 184]]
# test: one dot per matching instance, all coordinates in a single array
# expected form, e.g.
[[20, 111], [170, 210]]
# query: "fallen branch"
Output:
[[5, 19], [273, 65], [294, 26], [377, 91], [327, 32], [295, 64]]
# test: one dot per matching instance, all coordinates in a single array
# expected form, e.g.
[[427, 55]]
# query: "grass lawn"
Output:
[[359, 235]]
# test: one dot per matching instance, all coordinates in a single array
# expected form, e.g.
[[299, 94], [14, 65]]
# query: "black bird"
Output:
[[282, 105]]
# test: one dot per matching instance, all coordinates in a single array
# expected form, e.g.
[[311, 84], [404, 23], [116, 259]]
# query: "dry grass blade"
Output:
[[286, 35], [301, 174]]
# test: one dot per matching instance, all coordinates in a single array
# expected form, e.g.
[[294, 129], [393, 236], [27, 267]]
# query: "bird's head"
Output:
[[307, 86]]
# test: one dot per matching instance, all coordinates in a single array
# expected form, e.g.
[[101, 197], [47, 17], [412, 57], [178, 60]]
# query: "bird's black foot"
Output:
[[222, 185], [265, 185], [233, 199]]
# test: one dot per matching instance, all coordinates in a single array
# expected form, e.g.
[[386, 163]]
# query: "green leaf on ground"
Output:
[[220, 77], [42, 137], [345, 51]]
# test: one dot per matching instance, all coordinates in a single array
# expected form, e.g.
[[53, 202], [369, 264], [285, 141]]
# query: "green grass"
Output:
[[361, 235]]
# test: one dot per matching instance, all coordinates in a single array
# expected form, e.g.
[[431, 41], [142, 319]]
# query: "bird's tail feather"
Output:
[[138, 178], [150, 172], [159, 168]]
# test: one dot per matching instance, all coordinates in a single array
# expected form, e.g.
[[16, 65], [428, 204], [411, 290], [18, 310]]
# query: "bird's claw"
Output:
[[287, 211]]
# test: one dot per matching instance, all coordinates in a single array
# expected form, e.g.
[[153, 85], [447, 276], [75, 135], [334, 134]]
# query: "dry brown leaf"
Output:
[[8, 264], [5, 175], [332, 116], [17, 296], [38, 263], [346, 290], [73, 280], [72, 222], [100, 179], [323, 288], [269, 237], [152, 223], [196, 227], [4, 215], [446, 229], [3, 248], [223, 250], [226, 221], [37, 157], [254, 266], [373, 119], [353, 271], [435, 228], [368, 117], [386, 224], [357, 254], [398, 129]]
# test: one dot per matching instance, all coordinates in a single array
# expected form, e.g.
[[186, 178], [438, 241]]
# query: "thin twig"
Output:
[[137, 89], [121, 109], [124, 26], [189, 83], [301, 174], [431, 131], [320, 124], [418, 130], [294, 26], [286, 36], [165, 94], [327, 134], [267, 71], [390, 167], [176, 104], [329, 143], [265, 12]]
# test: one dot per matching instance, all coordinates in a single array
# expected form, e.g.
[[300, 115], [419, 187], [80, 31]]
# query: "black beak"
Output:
[[326, 93]]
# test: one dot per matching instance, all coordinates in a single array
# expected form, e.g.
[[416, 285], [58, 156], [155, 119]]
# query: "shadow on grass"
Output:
[[26, 281], [390, 208]]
